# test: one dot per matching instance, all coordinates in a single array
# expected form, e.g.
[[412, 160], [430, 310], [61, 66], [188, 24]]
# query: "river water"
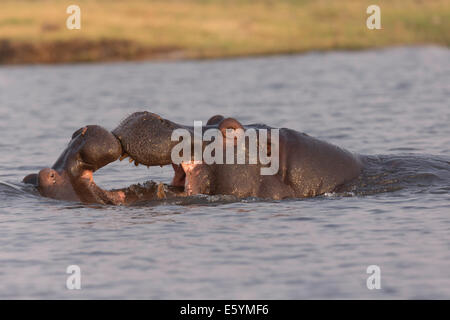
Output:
[[392, 104]]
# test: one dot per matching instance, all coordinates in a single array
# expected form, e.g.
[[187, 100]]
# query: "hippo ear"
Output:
[[229, 123], [214, 119], [81, 130]]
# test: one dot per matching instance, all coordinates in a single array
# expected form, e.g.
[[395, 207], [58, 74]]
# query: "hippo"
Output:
[[307, 166]]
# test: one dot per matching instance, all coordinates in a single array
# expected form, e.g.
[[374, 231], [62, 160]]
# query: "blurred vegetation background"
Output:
[[35, 31]]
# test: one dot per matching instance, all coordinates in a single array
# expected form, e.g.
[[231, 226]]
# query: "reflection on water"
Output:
[[391, 105]]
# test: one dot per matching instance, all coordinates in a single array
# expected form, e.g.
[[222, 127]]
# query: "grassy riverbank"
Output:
[[35, 31]]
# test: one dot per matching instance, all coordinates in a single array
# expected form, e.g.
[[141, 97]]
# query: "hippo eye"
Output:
[[52, 176]]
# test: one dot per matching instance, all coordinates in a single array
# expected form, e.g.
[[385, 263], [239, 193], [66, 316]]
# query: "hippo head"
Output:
[[71, 177], [149, 139], [91, 148], [146, 139]]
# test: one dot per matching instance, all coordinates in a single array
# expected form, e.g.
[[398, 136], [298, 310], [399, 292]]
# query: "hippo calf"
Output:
[[307, 167]]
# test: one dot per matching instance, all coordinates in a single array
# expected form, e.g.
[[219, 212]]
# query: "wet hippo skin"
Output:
[[307, 166]]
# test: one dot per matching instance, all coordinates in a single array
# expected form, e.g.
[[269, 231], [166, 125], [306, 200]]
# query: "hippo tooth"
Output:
[[161, 192], [123, 156]]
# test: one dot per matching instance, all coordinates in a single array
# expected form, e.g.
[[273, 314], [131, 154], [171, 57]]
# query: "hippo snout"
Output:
[[31, 179], [70, 178], [53, 184]]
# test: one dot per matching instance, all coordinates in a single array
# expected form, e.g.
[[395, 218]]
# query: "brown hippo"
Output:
[[306, 166]]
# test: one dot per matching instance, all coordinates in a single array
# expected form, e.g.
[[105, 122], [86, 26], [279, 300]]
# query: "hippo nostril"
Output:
[[52, 175]]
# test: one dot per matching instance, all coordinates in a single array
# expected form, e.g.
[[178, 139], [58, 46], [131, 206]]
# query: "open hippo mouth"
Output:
[[91, 148], [146, 139], [182, 175], [179, 178]]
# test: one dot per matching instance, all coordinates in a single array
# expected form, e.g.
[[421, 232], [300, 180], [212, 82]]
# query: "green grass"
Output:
[[211, 28]]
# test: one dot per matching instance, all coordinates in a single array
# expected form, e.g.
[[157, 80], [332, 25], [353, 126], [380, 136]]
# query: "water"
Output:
[[391, 102]]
